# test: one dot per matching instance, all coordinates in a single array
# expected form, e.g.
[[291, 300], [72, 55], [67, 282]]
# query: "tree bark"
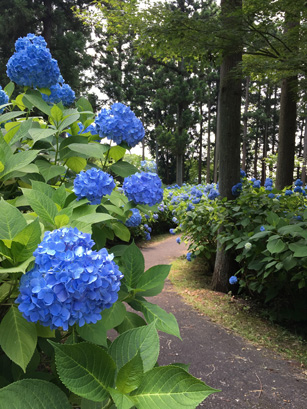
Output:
[[200, 144], [305, 154], [208, 176], [229, 132], [244, 150]]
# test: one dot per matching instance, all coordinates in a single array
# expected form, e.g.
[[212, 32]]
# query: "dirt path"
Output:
[[249, 377]]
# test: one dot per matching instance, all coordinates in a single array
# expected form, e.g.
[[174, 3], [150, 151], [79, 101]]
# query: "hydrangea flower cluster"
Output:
[[143, 188], [70, 283], [268, 184], [236, 189], [149, 166], [120, 125], [233, 280], [4, 99], [135, 219], [32, 64], [93, 184], [60, 93]]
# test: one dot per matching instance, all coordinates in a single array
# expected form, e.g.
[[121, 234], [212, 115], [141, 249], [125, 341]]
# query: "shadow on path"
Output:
[[249, 377]]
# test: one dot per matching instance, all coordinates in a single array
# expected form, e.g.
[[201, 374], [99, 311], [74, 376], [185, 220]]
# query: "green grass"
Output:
[[192, 281]]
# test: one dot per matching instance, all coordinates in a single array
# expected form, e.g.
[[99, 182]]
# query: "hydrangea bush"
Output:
[[63, 285]]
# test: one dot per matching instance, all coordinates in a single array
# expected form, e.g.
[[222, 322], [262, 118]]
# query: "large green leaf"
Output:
[[133, 265], [123, 169], [35, 97], [8, 116], [130, 375], [165, 322], [117, 152], [65, 152], [38, 133], [22, 132], [121, 400], [121, 231], [21, 268], [144, 340], [131, 320], [16, 162], [69, 119], [299, 249], [86, 369], [92, 150], [26, 242], [33, 394], [170, 387], [276, 246], [11, 221], [153, 277], [18, 337], [76, 163], [95, 218], [49, 171], [44, 207]]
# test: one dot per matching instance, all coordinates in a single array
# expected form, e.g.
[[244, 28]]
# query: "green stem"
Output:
[[108, 404], [105, 162], [57, 148]]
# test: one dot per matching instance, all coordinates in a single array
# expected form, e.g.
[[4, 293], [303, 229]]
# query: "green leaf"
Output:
[[272, 218], [76, 163], [153, 277], [117, 153], [22, 132], [61, 220], [44, 332], [170, 387], [113, 316], [33, 394], [9, 89], [91, 150], [144, 340], [165, 322], [10, 115], [95, 218], [35, 98], [123, 169], [133, 265], [276, 246], [65, 152], [89, 404], [299, 249], [131, 320], [86, 369], [11, 221], [44, 207], [59, 196], [69, 119], [38, 133], [121, 401], [130, 375], [26, 241], [56, 115], [49, 171], [18, 337], [43, 187], [22, 268], [121, 231], [16, 162]]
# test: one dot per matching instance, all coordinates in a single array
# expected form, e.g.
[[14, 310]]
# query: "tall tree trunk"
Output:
[[287, 119], [244, 150], [179, 169], [200, 143], [305, 154], [47, 22], [229, 133], [257, 138], [274, 120], [266, 133], [216, 146], [208, 176]]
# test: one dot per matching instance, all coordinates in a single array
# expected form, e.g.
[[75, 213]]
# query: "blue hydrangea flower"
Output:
[[144, 188], [298, 189], [262, 228], [60, 93], [242, 173], [268, 182], [271, 195], [178, 240], [161, 207], [149, 166], [288, 192], [155, 216], [32, 64], [70, 283], [147, 236], [213, 194], [236, 189], [257, 184], [135, 219], [190, 207], [298, 182], [233, 280], [172, 231], [189, 256], [120, 125], [93, 184], [175, 220], [4, 99]]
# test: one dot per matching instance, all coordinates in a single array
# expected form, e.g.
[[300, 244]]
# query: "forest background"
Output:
[[165, 60]]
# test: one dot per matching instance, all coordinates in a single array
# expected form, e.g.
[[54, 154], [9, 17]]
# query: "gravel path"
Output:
[[249, 377]]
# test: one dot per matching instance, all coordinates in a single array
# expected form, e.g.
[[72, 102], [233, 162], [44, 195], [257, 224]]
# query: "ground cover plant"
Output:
[[66, 194], [264, 229]]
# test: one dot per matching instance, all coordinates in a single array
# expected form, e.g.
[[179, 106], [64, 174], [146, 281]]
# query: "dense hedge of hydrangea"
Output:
[[93, 184], [135, 219], [120, 125], [60, 93], [143, 188], [4, 99], [70, 283], [32, 64]]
